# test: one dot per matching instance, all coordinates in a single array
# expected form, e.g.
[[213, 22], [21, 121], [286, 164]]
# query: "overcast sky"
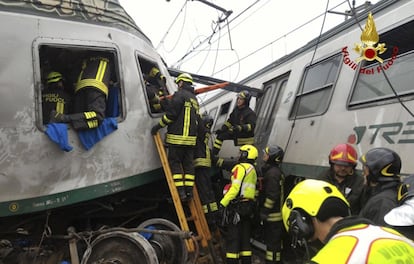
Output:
[[259, 31]]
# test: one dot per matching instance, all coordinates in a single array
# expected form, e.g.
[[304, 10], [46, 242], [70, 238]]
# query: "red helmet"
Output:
[[343, 154]]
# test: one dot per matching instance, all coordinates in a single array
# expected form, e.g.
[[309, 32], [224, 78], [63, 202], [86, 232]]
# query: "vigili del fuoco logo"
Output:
[[369, 50]]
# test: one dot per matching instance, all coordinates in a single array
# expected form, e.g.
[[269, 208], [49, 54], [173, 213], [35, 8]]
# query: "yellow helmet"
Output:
[[153, 72], [185, 77], [248, 152], [312, 198], [53, 77]]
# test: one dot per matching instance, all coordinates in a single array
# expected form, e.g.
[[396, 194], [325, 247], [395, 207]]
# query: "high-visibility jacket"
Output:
[[243, 183], [355, 241], [181, 118]]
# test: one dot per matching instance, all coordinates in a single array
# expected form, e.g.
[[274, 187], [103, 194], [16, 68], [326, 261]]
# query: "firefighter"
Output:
[[402, 217], [343, 161], [381, 169], [238, 205], [271, 201], [156, 89], [240, 125], [317, 210], [55, 97], [202, 164], [91, 93], [181, 118]]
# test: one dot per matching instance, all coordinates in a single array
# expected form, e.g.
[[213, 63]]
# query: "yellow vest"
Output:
[[243, 183]]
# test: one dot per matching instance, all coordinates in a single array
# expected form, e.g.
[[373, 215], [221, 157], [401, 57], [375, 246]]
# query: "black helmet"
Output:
[[245, 95], [275, 153], [383, 164], [406, 189]]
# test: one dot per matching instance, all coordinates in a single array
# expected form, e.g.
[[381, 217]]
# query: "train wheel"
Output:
[[169, 249], [120, 247]]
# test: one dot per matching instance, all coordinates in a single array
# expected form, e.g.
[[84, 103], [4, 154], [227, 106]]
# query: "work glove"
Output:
[[155, 129], [56, 117], [237, 128]]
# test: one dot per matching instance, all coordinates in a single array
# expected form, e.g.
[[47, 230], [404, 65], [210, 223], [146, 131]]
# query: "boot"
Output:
[[189, 192], [56, 117], [182, 193]]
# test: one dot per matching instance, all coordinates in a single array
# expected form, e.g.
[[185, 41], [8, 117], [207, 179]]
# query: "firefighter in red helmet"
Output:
[[343, 161]]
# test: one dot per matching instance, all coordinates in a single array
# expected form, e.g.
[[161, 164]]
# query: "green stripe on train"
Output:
[[41, 203]]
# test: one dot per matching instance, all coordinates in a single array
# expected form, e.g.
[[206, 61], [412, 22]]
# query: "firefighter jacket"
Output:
[[181, 118], [351, 187], [243, 183], [272, 196], [355, 240], [383, 198], [55, 99], [246, 118], [91, 93], [202, 155]]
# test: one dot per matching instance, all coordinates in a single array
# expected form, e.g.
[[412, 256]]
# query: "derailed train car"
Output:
[[71, 184]]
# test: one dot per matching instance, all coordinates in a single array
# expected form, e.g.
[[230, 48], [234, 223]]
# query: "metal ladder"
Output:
[[196, 212]]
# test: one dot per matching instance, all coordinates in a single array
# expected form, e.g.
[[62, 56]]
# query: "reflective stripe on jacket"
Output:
[[243, 183], [181, 118]]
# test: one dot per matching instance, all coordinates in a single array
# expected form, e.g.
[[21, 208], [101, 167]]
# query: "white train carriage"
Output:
[[352, 84]]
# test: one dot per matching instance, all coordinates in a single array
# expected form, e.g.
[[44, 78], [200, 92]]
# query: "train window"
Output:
[[316, 88], [371, 85], [212, 113], [223, 113], [155, 84], [65, 71]]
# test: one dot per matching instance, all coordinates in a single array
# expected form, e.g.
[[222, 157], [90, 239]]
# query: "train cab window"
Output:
[[155, 84], [64, 73], [316, 88], [371, 86]]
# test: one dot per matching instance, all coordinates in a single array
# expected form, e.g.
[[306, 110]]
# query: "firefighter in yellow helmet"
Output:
[[54, 96], [317, 210], [156, 86], [180, 117], [237, 207]]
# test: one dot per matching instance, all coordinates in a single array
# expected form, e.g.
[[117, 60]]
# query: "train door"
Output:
[[267, 107]]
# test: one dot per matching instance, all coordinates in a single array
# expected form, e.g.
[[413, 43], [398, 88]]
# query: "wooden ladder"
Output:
[[194, 205]]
